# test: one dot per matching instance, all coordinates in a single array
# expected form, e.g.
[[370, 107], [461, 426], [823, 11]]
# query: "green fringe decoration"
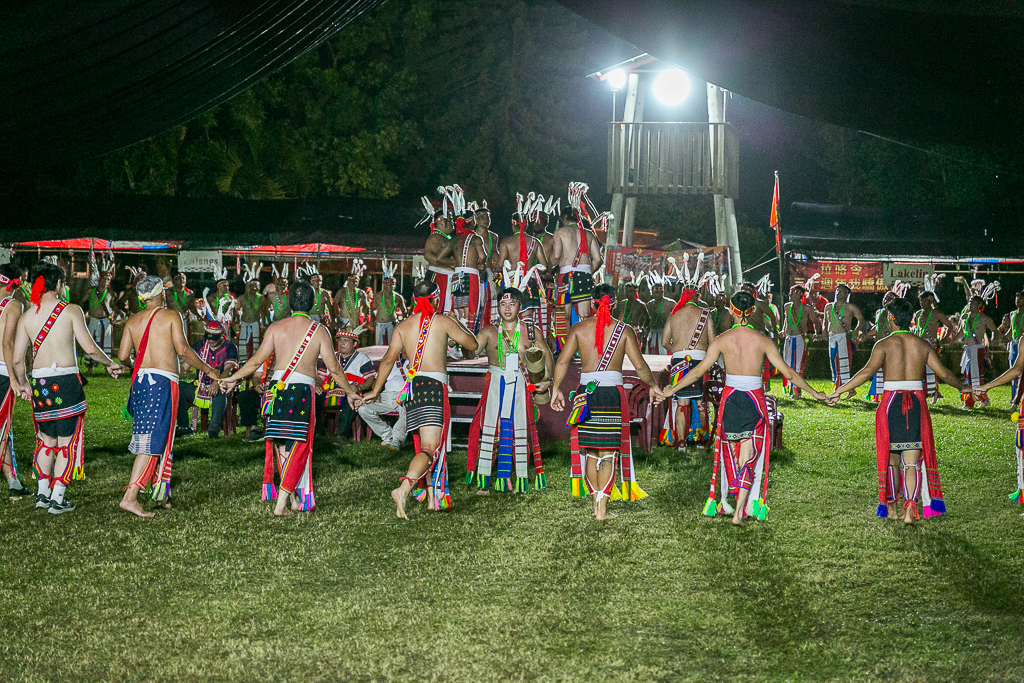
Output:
[[125, 415], [709, 507], [469, 478], [500, 485], [522, 485], [1017, 496], [758, 509], [540, 481], [483, 481]]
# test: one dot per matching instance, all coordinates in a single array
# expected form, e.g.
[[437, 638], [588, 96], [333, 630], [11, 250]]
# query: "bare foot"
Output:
[[908, 515], [280, 511], [296, 502], [134, 508], [893, 512], [399, 499], [737, 517], [483, 492], [604, 516], [166, 506]]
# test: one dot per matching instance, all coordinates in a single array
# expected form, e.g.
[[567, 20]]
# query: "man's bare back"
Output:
[[59, 348], [284, 337], [567, 242], [681, 325], [435, 349], [166, 339], [438, 251], [471, 251]]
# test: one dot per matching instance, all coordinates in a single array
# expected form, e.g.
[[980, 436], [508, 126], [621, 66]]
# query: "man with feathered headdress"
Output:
[[11, 309], [525, 251], [350, 299], [387, 307], [50, 327], [157, 339], [629, 309], [742, 438], [439, 252], [98, 304], [252, 308], [578, 253], [599, 414], [882, 328], [322, 304], [842, 333], [799, 319], [504, 449], [659, 307], [423, 337], [928, 320], [686, 335], [974, 329]]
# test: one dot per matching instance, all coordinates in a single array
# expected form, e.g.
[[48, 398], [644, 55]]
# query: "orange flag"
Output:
[[775, 215]]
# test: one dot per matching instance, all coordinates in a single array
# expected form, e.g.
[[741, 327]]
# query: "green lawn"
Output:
[[524, 587]]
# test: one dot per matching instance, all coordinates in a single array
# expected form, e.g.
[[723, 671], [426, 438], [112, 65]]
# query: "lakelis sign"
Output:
[[912, 273]]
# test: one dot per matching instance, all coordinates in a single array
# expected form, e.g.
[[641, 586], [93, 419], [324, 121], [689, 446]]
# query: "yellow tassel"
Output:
[[615, 493], [635, 492]]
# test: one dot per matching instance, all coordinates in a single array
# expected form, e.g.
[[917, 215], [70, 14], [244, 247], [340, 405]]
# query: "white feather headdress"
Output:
[[282, 273], [358, 267], [252, 271], [899, 288], [764, 285], [519, 279], [585, 208], [389, 269], [990, 290], [931, 282], [220, 273]]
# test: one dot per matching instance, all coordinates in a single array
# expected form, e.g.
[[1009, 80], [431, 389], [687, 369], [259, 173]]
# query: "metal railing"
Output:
[[673, 158]]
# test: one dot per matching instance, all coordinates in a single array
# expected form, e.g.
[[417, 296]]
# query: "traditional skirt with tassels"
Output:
[[153, 406], [686, 399], [428, 406], [897, 404], [743, 415], [503, 442], [610, 431], [57, 398], [290, 425]]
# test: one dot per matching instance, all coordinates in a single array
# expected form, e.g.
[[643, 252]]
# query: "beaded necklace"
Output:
[[510, 345], [394, 304], [1015, 329], [743, 325], [969, 326], [92, 298], [795, 325], [921, 330]]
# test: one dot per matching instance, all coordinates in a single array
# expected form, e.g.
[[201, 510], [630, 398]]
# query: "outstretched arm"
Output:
[[386, 365], [88, 344], [462, 336], [331, 362], [692, 375], [186, 352], [875, 362], [637, 359], [943, 373], [1005, 378], [257, 360]]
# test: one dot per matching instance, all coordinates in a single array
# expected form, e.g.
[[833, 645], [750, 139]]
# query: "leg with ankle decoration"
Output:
[[911, 466], [600, 475], [684, 411], [746, 459], [141, 477], [892, 485]]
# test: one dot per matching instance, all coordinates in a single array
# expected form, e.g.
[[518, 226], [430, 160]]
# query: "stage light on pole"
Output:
[[617, 79], [672, 86]]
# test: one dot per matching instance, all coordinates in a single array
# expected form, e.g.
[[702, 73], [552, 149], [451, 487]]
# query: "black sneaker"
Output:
[[42, 501], [18, 493], [60, 508]]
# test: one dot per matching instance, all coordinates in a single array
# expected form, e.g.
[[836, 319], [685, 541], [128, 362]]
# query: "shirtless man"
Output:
[[129, 301], [427, 409], [523, 250], [253, 307], [903, 426], [221, 304], [630, 310], [504, 449], [926, 324], [602, 343], [482, 224], [155, 335], [471, 261], [686, 335], [1012, 329], [842, 334], [741, 434], [50, 328], [99, 311], [386, 309], [440, 255], [577, 252], [10, 311], [658, 310], [180, 298], [323, 305], [351, 302], [798, 322], [974, 328], [278, 304], [763, 319], [295, 343]]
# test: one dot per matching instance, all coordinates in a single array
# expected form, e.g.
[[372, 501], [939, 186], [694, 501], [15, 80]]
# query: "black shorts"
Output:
[[531, 296], [5, 386], [904, 418], [739, 416], [580, 286], [58, 429]]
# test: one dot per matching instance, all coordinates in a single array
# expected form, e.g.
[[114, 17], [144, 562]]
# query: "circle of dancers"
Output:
[[536, 305]]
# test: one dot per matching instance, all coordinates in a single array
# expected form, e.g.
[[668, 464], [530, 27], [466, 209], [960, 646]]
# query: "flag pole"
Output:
[[778, 240]]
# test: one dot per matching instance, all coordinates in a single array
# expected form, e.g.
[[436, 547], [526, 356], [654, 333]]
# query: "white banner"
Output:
[[5, 255], [911, 273], [198, 261]]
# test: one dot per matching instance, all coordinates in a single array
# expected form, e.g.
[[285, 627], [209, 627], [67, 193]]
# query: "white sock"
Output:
[[58, 492], [13, 483], [44, 487]]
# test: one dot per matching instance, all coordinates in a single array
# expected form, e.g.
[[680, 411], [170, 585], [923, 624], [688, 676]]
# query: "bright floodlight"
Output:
[[617, 79], [672, 86]]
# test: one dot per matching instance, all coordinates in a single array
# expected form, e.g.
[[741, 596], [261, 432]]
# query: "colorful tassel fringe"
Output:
[[632, 491], [78, 473], [724, 508], [469, 478], [269, 492], [419, 494], [758, 509], [579, 489], [883, 510], [308, 501], [522, 485], [709, 507], [160, 492], [1017, 496], [540, 481], [936, 508]]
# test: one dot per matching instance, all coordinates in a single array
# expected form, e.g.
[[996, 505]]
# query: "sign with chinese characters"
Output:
[[911, 273], [198, 261], [859, 276]]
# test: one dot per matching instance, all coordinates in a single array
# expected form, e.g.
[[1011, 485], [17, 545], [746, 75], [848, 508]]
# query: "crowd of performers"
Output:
[[289, 352]]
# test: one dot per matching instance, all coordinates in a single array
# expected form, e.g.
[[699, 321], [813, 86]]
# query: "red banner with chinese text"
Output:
[[859, 276]]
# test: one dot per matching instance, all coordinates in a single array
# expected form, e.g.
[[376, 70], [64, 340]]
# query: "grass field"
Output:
[[524, 587]]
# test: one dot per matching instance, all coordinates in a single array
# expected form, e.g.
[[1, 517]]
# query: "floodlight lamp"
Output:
[[672, 86], [617, 79]]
